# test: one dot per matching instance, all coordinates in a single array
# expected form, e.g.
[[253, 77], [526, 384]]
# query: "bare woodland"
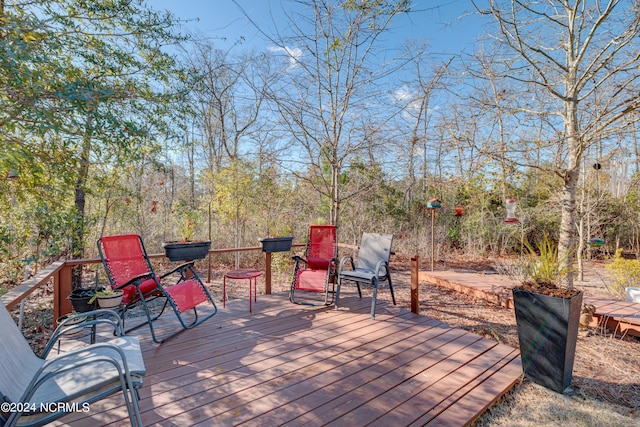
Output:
[[153, 131]]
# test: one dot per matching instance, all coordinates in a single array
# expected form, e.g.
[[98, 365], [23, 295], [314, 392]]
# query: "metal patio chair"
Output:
[[316, 271], [128, 268], [372, 266], [41, 389]]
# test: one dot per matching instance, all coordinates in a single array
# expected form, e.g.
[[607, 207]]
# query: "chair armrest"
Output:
[[380, 266], [333, 265], [180, 268], [298, 260], [91, 318], [343, 261], [135, 279], [65, 362], [104, 314]]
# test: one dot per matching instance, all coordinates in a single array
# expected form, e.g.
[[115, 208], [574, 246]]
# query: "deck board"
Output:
[[295, 365]]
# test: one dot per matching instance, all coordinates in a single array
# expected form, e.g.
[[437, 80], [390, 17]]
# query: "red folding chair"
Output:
[[316, 271], [128, 268]]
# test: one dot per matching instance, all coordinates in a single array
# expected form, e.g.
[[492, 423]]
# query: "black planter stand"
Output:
[[186, 251], [547, 332]]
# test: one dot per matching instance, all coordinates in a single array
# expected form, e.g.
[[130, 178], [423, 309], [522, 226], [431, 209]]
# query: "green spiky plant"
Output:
[[544, 269]]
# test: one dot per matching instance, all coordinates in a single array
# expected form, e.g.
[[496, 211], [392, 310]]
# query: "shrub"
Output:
[[622, 273]]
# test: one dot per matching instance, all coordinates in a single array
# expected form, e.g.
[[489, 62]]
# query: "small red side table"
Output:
[[250, 274]]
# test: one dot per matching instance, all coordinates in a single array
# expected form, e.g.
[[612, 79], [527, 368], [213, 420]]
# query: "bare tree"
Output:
[[566, 53], [227, 100], [329, 96], [418, 112]]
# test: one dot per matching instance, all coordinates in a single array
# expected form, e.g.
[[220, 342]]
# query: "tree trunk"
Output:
[[567, 239], [77, 240]]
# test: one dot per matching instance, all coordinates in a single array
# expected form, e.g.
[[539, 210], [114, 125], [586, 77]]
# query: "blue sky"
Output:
[[448, 26]]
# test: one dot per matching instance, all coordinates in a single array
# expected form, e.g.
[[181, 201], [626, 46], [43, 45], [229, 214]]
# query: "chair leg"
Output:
[[337, 295], [374, 284], [393, 298], [330, 282], [134, 411], [150, 321], [293, 285]]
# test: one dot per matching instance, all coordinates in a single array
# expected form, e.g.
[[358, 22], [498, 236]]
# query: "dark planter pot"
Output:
[[547, 332], [187, 251], [276, 244], [80, 300]]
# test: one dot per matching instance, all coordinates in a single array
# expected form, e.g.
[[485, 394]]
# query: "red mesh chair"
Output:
[[316, 271], [128, 268]]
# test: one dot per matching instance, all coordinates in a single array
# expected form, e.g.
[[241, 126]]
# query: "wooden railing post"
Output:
[[61, 290], [415, 301], [267, 273]]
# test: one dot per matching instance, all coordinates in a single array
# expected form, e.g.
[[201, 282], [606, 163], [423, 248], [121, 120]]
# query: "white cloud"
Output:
[[402, 95], [407, 98], [293, 53], [410, 101]]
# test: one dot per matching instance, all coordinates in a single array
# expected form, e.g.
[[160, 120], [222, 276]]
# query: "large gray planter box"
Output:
[[547, 333]]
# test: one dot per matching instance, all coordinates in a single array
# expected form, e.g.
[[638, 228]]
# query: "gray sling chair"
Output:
[[372, 266], [40, 389]]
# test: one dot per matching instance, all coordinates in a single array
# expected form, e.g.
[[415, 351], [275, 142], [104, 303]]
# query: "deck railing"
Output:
[[61, 274]]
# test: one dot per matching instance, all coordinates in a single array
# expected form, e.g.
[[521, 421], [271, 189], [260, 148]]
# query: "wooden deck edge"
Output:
[[498, 296], [501, 296], [616, 324], [500, 379]]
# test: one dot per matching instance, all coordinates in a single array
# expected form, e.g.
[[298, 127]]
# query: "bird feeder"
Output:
[[511, 211], [434, 204], [596, 241], [459, 210]]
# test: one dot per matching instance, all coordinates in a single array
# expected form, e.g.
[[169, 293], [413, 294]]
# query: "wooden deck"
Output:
[[619, 316], [297, 365]]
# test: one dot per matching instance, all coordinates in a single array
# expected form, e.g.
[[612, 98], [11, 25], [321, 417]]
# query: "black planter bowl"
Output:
[[547, 333], [276, 244], [80, 300], [186, 251]]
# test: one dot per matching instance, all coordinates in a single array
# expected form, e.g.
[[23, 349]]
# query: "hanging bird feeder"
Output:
[[434, 204], [511, 211], [459, 210]]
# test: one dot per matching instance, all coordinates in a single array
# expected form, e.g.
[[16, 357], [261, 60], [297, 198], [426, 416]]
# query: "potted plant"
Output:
[[81, 299], [107, 298], [186, 249], [276, 244], [547, 318]]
